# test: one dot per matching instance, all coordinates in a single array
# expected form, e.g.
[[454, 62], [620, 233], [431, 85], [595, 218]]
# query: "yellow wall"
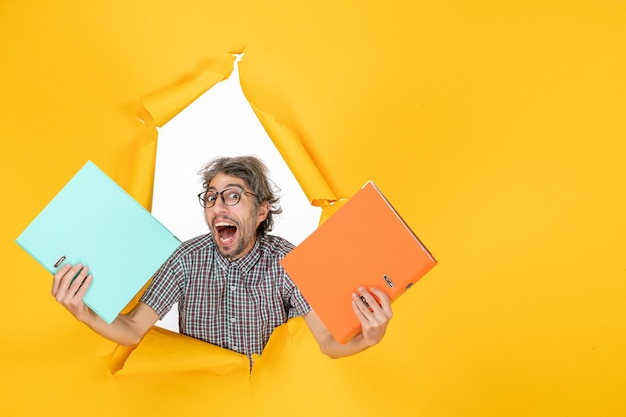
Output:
[[497, 128]]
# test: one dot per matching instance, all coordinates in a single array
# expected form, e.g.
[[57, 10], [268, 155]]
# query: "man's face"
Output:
[[234, 227]]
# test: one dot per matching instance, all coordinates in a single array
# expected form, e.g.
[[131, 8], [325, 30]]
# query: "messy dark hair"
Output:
[[255, 174]]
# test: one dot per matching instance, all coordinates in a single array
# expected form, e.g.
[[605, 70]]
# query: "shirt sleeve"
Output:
[[298, 305], [166, 287]]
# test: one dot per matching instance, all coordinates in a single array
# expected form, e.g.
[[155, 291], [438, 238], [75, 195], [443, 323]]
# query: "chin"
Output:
[[232, 253]]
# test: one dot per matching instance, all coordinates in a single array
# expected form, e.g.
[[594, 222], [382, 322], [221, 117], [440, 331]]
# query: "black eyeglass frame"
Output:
[[204, 203]]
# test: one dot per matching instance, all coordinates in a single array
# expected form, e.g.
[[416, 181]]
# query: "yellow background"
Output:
[[496, 128]]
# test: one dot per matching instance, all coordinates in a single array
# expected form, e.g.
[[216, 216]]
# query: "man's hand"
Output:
[[374, 311], [69, 285]]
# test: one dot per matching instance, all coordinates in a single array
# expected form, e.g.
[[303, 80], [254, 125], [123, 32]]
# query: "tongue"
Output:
[[227, 234]]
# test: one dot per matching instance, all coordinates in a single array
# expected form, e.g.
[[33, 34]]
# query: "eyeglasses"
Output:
[[230, 197]]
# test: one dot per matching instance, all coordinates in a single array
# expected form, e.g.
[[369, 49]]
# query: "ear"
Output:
[[262, 212]]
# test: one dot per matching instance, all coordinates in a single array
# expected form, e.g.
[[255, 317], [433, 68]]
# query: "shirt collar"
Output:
[[244, 263]]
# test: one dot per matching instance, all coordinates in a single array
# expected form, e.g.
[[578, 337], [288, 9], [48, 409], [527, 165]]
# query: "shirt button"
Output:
[[232, 319], [235, 348], [233, 288]]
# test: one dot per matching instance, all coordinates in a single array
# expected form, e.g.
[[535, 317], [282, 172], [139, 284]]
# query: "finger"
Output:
[[361, 307], [379, 314], [65, 276], [77, 281], [359, 310], [84, 286], [68, 284], [369, 300], [383, 301], [56, 278]]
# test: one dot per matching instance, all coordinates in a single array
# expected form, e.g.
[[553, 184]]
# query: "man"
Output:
[[229, 285]]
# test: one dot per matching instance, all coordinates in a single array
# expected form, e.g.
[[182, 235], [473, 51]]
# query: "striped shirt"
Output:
[[232, 304]]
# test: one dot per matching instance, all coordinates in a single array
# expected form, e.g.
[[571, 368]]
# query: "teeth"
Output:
[[226, 224]]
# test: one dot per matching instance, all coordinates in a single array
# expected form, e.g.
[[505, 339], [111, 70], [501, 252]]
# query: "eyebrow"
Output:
[[227, 187]]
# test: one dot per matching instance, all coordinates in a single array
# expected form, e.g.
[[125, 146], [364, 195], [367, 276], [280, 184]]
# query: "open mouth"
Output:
[[226, 232]]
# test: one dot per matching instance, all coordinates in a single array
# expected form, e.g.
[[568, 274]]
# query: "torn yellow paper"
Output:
[[293, 151], [164, 105], [163, 351], [496, 128]]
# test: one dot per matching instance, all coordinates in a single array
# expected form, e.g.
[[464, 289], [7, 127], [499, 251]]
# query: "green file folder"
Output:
[[93, 221]]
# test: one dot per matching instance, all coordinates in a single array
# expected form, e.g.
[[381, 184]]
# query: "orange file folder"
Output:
[[365, 243]]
